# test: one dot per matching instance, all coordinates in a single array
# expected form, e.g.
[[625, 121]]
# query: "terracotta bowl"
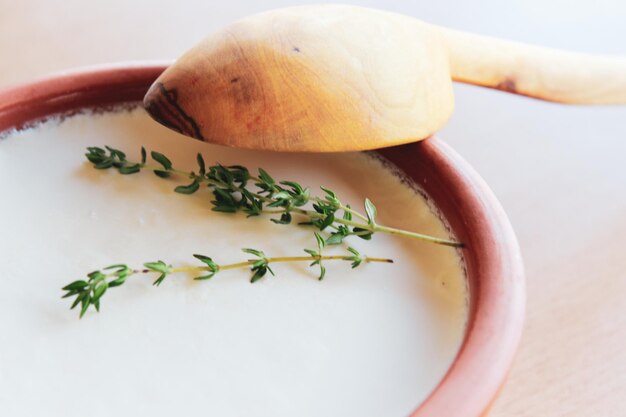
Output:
[[491, 255]]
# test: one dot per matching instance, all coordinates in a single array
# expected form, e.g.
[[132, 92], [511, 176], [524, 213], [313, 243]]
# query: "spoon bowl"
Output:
[[299, 79]]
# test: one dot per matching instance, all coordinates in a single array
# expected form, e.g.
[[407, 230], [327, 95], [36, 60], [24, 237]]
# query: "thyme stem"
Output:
[[230, 187], [246, 264], [88, 292]]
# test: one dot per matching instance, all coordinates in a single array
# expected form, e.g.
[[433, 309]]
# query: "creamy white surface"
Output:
[[369, 342]]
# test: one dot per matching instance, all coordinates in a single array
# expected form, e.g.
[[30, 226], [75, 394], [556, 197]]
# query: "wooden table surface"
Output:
[[560, 172]]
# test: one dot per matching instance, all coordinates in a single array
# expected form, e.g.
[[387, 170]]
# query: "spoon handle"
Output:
[[534, 71]]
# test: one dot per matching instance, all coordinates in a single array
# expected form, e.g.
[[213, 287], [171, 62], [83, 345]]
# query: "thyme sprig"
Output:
[[235, 189], [88, 292]]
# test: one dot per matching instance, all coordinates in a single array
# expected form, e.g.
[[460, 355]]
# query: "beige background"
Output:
[[559, 171]]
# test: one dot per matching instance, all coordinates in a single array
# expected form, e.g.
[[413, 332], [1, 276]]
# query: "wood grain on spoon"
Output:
[[342, 78]]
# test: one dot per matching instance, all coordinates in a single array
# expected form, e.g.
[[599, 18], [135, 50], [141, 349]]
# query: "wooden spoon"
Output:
[[342, 78]]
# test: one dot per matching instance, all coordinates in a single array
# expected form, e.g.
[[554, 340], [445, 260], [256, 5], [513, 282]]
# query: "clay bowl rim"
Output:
[[491, 255]]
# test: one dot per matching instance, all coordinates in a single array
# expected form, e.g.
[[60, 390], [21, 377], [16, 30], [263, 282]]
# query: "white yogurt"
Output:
[[369, 342]]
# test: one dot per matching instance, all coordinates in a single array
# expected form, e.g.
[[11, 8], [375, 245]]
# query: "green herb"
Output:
[[89, 292], [235, 189]]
